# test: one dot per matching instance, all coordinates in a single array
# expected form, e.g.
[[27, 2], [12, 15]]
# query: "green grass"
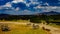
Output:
[[23, 29], [20, 21]]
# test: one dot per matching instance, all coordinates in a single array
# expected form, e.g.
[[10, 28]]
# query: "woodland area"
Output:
[[32, 18]]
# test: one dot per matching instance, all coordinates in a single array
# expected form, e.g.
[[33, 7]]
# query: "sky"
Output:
[[27, 7]]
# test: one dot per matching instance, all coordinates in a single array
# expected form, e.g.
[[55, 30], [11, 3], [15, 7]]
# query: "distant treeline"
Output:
[[33, 18]]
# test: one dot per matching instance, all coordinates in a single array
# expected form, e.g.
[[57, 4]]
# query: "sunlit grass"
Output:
[[20, 21], [54, 25], [23, 29]]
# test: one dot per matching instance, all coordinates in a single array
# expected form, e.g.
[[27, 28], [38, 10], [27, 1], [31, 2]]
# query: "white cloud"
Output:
[[14, 2], [39, 7], [17, 9], [35, 2], [24, 1], [27, 11], [17, 1], [7, 5], [46, 4], [1, 7], [48, 8], [55, 8], [28, 5]]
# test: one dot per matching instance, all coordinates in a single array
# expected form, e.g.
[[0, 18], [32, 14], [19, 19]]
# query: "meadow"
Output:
[[22, 29]]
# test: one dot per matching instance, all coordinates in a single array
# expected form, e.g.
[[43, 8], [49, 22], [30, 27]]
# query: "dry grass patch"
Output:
[[22, 29]]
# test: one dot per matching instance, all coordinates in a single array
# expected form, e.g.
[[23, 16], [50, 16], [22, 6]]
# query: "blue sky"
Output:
[[22, 7]]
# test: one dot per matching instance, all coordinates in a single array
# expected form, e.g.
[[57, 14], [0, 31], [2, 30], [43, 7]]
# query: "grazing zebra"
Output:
[[45, 29], [5, 28], [35, 26]]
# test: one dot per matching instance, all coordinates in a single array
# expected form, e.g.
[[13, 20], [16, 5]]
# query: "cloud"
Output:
[[55, 8], [21, 5], [17, 1], [46, 4], [7, 5], [1, 7], [17, 9], [25, 1], [47, 8], [3, 2]]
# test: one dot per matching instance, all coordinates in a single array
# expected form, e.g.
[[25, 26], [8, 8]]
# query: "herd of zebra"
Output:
[[5, 27]]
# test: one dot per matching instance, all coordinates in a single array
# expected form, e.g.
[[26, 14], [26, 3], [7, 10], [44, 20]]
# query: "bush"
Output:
[[35, 20]]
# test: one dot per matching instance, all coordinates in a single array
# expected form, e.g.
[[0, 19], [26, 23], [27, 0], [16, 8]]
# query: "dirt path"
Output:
[[53, 30]]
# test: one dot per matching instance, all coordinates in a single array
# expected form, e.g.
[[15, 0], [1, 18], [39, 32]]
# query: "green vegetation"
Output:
[[32, 18], [23, 29]]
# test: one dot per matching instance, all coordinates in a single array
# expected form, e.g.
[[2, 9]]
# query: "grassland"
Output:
[[23, 29], [54, 25]]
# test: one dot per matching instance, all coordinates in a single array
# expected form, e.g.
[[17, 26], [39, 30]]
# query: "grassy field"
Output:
[[21, 21], [23, 29], [54, 25]]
